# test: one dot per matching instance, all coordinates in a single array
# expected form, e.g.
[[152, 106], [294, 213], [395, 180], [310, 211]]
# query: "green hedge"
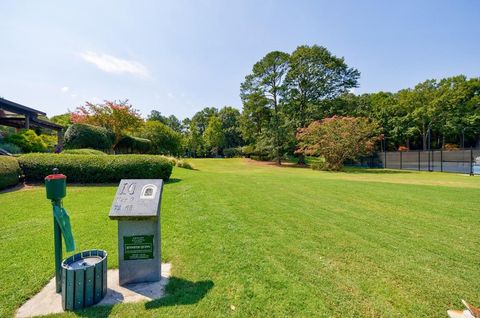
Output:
[[129, 144], [95, 169], [80, 136], [84, 151], [9, 172]]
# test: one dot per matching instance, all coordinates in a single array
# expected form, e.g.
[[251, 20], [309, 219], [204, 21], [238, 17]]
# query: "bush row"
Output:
[[96, 169], [9, 172], [83, 151]]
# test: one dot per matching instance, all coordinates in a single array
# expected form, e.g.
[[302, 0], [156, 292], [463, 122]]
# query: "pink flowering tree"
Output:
[[338, 139], [119, 117]]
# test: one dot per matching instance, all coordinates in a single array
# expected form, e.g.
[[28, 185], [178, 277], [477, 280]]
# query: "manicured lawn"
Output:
[[274, 242]]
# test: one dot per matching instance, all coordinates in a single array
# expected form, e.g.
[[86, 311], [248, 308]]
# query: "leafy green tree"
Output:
[[164, 139], [201, 118], [267, 78], [63, 120], [171, 121], [195, 144], [315, 75], [214, 135], [255, 116], [230, 118]]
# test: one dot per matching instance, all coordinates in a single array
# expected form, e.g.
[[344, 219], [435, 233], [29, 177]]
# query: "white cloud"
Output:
[[64, 89], [112, 64], [170, 95]]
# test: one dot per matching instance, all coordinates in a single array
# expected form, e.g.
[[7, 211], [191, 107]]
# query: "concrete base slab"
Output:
[[47, 301]]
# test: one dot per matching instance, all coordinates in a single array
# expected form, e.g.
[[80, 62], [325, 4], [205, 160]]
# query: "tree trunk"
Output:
[[301, 159], [424, 138]]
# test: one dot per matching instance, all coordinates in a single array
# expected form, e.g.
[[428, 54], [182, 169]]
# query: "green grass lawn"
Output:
[[273, 242]]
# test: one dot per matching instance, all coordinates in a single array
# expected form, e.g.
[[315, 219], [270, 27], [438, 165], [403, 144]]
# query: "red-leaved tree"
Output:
[[119, 117], [338, 139]]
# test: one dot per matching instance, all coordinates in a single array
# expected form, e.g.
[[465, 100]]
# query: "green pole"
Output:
[[57, 233]]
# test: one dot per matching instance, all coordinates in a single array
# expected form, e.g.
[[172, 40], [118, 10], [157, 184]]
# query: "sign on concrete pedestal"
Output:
[[136, 207]]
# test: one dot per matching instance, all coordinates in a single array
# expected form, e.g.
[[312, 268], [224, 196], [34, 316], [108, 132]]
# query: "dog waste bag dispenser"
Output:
[[136, 207], [56, 186]]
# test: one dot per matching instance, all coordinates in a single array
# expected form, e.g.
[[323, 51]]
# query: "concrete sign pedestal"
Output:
[[137, 208]]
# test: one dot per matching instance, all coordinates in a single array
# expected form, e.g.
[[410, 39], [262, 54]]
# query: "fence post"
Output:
[[441, 159], [471, 161], [385, 161], [419, 160], [428, 153], [433, 160], [401, 160]]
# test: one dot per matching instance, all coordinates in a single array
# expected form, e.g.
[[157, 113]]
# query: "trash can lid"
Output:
[[55, 176], [84, 262]]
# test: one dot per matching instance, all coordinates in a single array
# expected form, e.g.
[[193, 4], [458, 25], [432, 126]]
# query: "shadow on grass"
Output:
[[182, 292], [373, 171], [95, 312], [14, 188], [173, 180]]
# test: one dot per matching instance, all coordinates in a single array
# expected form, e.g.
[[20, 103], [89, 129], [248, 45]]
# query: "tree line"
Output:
[[286, 92]]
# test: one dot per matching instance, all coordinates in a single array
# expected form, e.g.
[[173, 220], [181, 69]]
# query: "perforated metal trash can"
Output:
[[84, 279]]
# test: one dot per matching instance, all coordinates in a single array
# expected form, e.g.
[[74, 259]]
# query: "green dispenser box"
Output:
[[81, 278]]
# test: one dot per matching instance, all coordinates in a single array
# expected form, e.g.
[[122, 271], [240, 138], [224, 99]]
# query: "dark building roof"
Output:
[[13, 107], [10, 111]]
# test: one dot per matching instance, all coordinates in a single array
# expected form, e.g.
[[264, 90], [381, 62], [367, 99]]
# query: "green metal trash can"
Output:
[[84, 279]]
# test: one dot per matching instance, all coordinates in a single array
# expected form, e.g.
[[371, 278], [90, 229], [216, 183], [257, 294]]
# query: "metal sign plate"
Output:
[[138, 247], [137, 198]]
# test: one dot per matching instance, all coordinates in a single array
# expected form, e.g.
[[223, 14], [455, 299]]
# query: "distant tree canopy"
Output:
[[445, 110], [170, 121], [211, 131], [117, 116], [286, 92]]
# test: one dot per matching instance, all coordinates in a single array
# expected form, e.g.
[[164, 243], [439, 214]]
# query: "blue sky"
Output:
[[180, 56]]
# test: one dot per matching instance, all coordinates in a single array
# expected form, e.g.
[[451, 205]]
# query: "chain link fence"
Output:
[[459, 161]]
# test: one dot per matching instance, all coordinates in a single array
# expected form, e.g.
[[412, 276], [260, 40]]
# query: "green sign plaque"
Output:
[[137, 247]]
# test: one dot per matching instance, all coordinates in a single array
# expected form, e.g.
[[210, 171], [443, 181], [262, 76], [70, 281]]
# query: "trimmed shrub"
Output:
[[86, 151], [96, 169], [232, 152], [179, 163], [9, 172], [27, 140], [50, 141], [248, 151], [129, 144], [261, 157], [173, 160], [80, 136], [184, 164]]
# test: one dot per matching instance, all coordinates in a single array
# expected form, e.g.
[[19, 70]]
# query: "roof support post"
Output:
[[59, 140]]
